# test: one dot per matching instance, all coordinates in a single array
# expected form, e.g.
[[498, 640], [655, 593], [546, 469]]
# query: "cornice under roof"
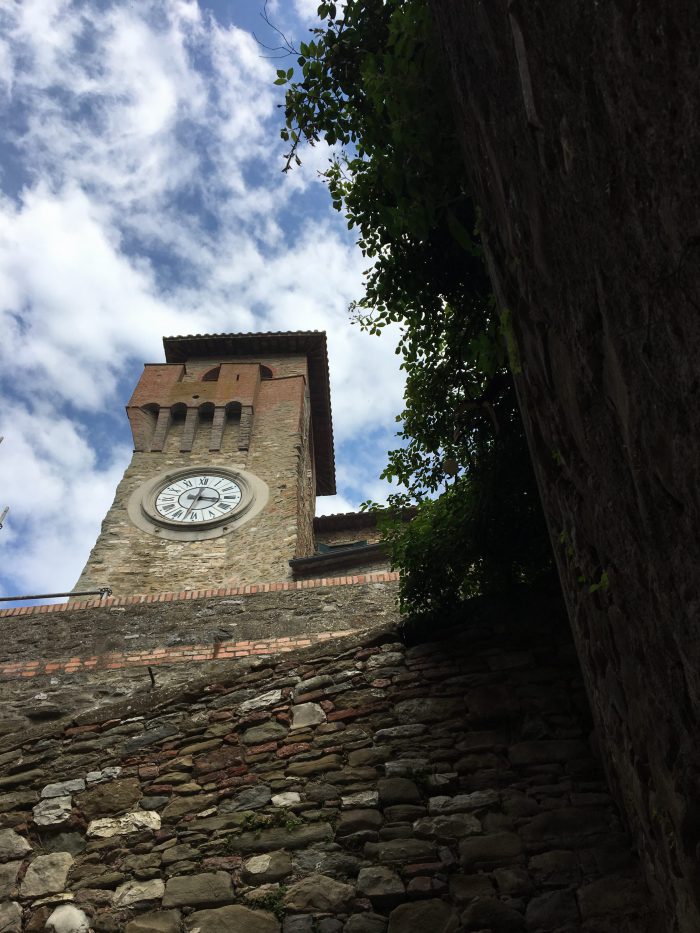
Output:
[[312, 343]]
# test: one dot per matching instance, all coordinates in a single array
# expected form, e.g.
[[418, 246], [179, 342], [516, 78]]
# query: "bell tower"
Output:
[[233, 441]]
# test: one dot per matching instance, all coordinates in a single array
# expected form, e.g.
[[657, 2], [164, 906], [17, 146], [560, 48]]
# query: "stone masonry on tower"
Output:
[[233, 442]]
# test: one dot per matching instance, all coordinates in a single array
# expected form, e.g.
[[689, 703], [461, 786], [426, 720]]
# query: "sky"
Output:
[[141, 196]]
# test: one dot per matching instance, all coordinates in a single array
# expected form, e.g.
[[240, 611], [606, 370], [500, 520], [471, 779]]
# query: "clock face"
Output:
[[197, 498]]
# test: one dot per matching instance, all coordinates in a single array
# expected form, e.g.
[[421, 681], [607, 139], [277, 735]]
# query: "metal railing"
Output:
[[103, 592]]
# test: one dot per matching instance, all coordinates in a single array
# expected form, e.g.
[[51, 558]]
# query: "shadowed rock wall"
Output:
[[581, 127], [358, 787]]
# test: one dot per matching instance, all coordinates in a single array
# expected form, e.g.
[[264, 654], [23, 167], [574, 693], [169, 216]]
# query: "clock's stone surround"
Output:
[[268, 410]]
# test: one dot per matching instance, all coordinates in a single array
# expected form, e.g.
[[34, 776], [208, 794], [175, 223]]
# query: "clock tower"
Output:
[[233, 442]]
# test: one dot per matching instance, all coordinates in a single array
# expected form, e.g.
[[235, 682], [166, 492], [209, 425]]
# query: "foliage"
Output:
[[371, 82]]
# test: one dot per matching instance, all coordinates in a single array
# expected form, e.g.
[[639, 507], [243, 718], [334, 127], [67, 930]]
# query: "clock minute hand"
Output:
[[194, 502]]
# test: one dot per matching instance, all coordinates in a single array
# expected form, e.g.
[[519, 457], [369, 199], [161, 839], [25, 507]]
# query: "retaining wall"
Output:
[[359, 786]]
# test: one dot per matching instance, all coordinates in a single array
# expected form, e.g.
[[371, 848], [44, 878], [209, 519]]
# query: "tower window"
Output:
[[265, 372], [212, 375]]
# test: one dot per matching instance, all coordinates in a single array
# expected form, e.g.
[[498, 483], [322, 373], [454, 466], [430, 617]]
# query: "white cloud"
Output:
[[57, 496], [153, 203]]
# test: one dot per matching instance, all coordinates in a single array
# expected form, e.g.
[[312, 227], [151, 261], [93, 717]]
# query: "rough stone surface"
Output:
[[63, 788], [47, 874], [233, 919], [193, 890], [110, 798], [8, 878], [433, 915], [53, 811], [319, 893], [10, 917], [573, 129], [266, 868], [160, 921], [357, 839], [138, 892], [307, 714], [12, 845], [380, 884], [129, 823]]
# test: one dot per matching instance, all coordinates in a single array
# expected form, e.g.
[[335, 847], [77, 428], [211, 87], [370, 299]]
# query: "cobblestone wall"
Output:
[[360, 786]]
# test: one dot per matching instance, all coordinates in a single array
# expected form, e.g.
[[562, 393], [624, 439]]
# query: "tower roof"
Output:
[[311, 343]]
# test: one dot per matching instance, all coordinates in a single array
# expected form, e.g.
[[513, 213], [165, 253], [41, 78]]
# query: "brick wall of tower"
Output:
[[130, 560]]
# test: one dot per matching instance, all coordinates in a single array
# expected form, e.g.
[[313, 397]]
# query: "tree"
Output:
[[371, 82]]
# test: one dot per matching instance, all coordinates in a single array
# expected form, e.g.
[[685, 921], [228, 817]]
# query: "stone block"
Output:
[[12, 845], [433, 915], [183, 806], [122, 825], [213, 887], [319, 893], [307, 714], [109, 799], [158, 921], [287, 799], [234, 919], [497, 849], [447, 828], [555, 868], [10, 917], [251, 798], [462, 803], [551, 911], [257, 735], [8, 878], [366, 923], [381, 885], [355, 821], [134, 893], [427, 709], [267, 868], [397, 790], [316, 766], [53, 811], [490, 913], [401, 850], [63, 788], [611, 896], [363, 798], [262, 701], [47, 874], [464, 888], [268, 840]]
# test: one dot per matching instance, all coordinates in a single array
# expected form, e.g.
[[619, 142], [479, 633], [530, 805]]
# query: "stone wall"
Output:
[[59, 663], [580, 125], [360, 786]]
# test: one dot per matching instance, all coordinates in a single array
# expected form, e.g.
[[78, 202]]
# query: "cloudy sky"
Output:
[[140, 196]]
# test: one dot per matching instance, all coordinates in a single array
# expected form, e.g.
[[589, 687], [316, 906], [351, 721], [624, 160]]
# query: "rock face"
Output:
[[580, 134], [366, 821]]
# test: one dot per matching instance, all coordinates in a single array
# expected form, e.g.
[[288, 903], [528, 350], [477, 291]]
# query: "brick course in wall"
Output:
[[58, 660]]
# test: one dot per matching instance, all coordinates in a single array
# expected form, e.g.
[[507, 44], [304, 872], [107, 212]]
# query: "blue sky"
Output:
[[140, 196]]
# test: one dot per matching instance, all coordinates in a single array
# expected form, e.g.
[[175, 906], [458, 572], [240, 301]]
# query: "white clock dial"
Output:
[[197, 498]]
